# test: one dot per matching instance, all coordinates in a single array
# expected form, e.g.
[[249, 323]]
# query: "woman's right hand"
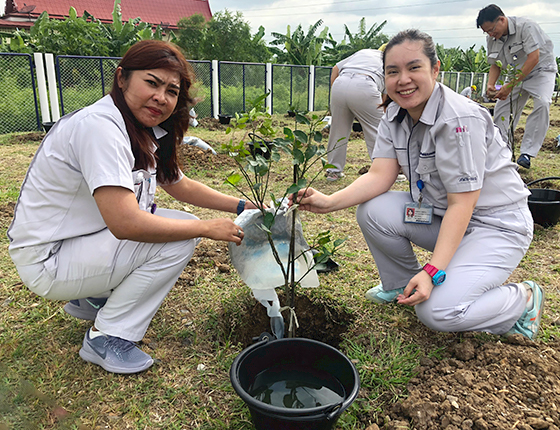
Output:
[[224, 229], [311, 200]]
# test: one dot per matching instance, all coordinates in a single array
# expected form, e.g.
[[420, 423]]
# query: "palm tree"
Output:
[[363, 39], [300, 48]]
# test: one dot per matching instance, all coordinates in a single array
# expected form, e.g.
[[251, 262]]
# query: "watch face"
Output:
[[438, 278]]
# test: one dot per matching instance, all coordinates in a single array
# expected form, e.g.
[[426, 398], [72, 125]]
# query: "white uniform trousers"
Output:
[[540, 88], [472, 298], [353, 95], [135, 276]]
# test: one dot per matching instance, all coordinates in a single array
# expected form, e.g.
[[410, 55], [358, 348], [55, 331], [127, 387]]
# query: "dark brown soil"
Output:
[[35, 136], [479, 381]]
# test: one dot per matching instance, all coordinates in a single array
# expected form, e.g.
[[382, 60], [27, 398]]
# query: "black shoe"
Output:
[[524, 160]]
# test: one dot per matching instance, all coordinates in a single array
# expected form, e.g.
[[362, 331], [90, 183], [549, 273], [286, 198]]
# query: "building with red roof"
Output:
[[165, 13]]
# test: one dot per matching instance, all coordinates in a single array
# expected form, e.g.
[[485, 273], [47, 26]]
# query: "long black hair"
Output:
[[156, 54]]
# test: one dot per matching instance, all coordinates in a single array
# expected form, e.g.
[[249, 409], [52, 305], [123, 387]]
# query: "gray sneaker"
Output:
[[114, 354], [85, 309]]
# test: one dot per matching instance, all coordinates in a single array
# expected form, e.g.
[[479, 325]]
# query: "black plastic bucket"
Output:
[[320, 361], [224, 118], [544, 204]]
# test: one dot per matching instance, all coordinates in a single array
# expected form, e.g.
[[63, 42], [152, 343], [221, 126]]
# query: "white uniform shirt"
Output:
[[85, 150], [366, 62], [453, 148], [467, 92], [524, 36]]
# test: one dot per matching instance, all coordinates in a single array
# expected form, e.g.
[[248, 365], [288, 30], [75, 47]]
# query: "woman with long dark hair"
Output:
[[86, 228]]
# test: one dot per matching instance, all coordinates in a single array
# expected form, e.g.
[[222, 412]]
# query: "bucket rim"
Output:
[[329, 411], [543, 201]]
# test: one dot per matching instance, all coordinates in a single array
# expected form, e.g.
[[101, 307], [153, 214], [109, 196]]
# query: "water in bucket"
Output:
[[296, 388]]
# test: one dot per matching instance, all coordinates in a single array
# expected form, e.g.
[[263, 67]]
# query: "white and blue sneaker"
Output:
[[382, 297], [114, 354], [85, 309], [528, 323]]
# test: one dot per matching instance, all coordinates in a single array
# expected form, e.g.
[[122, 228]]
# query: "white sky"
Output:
[[451, 23]]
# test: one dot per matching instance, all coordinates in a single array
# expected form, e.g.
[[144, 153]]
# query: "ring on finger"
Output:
[[239, 232]]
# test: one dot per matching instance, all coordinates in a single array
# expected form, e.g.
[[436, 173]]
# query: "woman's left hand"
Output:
[[418, 290]]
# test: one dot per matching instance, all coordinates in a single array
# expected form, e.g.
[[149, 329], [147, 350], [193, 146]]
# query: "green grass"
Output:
[[41, 372]]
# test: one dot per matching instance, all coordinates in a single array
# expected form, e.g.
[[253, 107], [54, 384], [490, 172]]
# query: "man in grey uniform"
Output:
[[520, 42]]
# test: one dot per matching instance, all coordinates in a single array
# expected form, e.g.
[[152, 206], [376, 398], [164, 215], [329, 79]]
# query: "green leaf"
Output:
[[268, 220], [310, 152], [300, 119], [298, 157], [289, 134], [234, 179], [72, 14], [301, 136], [318, 136]]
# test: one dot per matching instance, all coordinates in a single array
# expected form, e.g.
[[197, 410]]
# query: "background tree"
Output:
[[448, 58], [472, 61], [363, 39], [83, 35], [192, 32], [226, 37], [300, 48], [74, 36]]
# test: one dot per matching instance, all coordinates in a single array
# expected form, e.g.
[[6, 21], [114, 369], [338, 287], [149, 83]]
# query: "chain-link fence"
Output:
[[322, 88], [203, 88], [83, 80], [240, 83], [290, 88], [19, 109]]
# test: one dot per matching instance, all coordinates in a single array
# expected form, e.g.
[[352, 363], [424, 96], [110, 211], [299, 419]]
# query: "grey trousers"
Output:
[[352, 96], [473, 296], [136, 277], [540, 88]]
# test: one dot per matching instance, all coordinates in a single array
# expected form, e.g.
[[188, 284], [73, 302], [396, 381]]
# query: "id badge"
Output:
[[416, 213]]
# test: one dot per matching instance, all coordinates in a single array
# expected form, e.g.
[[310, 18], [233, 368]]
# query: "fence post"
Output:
[[484, 82], [215, 89], [268, 88], [311, 92], [42, 86], [53, 91]]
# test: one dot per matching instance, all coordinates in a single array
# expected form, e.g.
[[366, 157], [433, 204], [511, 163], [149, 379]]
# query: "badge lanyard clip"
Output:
[[420, 185]]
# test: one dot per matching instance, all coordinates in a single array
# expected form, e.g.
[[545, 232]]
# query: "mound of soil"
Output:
[[484, 385], [190, 155], [479, 382]]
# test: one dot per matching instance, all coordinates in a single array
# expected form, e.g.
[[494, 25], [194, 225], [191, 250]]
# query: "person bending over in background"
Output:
[[466, 204], [357, 87], [468, 91], [85, 226], [520, 42]]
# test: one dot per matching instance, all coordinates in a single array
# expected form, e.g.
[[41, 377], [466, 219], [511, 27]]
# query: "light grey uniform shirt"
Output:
[[524, 36], [85, 150], [453, 148], [365, 62]]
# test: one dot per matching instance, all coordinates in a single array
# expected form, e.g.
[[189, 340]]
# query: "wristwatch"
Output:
[[240, 206], [438, 276]]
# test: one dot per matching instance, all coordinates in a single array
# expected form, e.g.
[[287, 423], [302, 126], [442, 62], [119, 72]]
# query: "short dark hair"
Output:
[[489, 14]]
